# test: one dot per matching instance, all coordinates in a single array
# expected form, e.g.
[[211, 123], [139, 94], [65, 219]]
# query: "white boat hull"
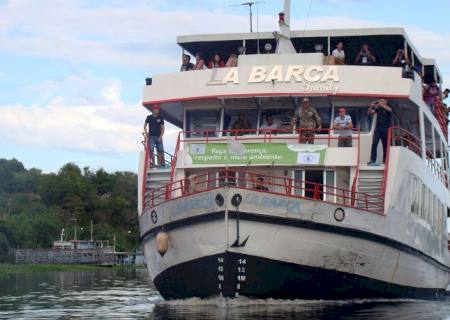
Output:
[[283, 257]]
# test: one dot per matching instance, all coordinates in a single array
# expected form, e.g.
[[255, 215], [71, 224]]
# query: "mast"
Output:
[[283, 36]]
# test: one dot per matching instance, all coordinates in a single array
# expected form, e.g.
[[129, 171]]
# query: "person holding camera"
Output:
[[400, 59], [365, 57], [383, 112]]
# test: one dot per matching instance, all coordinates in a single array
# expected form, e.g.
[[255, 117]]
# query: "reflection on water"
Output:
[[128, 294]]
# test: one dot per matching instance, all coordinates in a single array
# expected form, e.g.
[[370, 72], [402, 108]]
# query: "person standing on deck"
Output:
[[306, 117], [154, 135], [343, 126], [383, 111]]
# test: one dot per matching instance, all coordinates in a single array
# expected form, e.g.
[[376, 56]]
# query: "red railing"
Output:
[[244, 179], [441, 116], [145, 172], [400, 137], [261, 135], [264, 135]]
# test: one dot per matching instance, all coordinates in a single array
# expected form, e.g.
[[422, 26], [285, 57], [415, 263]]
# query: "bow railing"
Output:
[[278, 185]]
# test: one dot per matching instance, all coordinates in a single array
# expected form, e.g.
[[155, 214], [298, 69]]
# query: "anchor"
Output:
[[236, 201]]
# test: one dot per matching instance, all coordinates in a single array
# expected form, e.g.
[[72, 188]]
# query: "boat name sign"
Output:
[[280, 73]]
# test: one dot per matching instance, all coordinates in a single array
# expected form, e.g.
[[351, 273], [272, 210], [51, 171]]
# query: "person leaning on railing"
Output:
[[186, 64], [306, 119], [241, 124], [269, 126], [343, 126]]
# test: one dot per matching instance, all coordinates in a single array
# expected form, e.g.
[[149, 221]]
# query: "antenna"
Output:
[[249, 4]]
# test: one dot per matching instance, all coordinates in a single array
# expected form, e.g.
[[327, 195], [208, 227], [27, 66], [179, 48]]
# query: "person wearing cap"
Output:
[[308, 120], [342, 126], [154, 135]]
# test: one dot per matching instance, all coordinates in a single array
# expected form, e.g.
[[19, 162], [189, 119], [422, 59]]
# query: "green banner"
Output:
[[235, 152]]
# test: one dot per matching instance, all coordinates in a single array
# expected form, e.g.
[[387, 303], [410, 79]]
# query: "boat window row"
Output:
[[436, 152], [278, 112], [427, 206]]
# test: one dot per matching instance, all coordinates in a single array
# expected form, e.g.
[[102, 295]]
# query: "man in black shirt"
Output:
[[154, 135], [186, 63], [383, 111]]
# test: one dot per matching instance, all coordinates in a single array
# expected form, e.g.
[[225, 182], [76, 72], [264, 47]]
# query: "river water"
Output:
[[129, 294]]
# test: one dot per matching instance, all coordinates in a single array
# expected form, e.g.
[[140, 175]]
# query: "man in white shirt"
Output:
[[269, 125], [339, 54], [342, 126]]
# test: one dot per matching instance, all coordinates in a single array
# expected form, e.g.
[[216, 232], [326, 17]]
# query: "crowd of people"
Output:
[[200, 64], [365, 56]]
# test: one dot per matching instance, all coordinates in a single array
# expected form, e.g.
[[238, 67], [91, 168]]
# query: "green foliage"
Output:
[[34, 206]]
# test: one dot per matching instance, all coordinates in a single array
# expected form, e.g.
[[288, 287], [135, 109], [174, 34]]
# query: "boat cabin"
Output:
[[211, 151]]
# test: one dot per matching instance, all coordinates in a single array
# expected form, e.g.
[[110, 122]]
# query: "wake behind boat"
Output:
[[258, 202]]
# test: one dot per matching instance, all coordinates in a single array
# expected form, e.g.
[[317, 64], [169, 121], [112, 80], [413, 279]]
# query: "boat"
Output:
[[265, 214]]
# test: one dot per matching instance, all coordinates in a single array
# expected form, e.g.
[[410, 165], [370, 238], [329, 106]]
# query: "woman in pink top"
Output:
[[199, 63], [216, 62], [431, 92]]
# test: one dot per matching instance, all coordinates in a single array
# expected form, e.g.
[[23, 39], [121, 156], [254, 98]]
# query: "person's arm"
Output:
[[385, 106], [350, 124], [371, 110], [200, 65], [371, 57], [318, 120], [293, 121], [358, 57], [336, 126], [145, 127], [396, 58], [162, 133]]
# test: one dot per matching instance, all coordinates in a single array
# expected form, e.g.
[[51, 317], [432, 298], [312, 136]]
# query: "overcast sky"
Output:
[[72, 72]]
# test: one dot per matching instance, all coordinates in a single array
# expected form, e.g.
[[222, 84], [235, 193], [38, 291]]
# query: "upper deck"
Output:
[[384, 42], [307, 73]]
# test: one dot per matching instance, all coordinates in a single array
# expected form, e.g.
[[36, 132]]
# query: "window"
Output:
[[298, 182], [281, 117], [202, 122], [330, 191], [414, 196], [428, 138], [232, 115], [325, 116], [438, 148]]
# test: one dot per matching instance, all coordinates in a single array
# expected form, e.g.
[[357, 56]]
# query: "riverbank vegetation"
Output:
[[36, 206], [9, 268]]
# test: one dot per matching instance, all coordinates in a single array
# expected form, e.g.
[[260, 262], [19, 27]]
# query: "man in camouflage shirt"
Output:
[[306, 117]]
